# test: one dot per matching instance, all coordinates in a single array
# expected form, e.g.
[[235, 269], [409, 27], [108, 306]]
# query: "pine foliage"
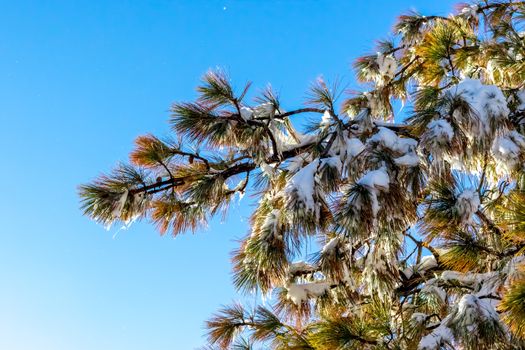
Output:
[[419, 226]]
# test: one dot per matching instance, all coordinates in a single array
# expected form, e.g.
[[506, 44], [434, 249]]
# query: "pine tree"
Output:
[[420, 225]]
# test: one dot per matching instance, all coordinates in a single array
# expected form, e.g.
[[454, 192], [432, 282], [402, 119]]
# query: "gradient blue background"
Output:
[[79, 80]]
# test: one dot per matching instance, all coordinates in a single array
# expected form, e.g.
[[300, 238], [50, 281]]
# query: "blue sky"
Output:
[[79, 81]]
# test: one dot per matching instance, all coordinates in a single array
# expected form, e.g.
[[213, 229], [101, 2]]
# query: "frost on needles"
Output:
[[366, 233]]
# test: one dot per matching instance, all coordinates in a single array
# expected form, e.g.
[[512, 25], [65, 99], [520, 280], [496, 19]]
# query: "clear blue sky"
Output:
[[79, 80]]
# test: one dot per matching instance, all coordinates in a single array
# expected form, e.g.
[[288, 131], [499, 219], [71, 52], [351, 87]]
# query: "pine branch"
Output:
[[354, 184], [299, 111]]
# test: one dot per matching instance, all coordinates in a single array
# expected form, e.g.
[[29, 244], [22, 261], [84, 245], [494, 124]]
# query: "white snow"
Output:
[[387, 67], [427, 262], [300, 266], [246, 113], [405, 144], [380, 261], [401, 145], [482, 284], [488, 283], [408, 160], [325, 120], [389, 139], [514, 269], [270, 224], [376, 181], [440, 335], [299, 293], [289, 142], [301, 186], [472, 311], [453, 276], [288, 139], [264, 109], [119, 205], [437, 138], [386, 137], [440, 130], [296, 293], [467, 204], [431, 288], [507, 150], [347, 148], [487, 101], [354, 146], [334, 162], [373, 104]]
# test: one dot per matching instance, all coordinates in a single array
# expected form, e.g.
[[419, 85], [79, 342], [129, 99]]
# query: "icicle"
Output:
[[117, 210]]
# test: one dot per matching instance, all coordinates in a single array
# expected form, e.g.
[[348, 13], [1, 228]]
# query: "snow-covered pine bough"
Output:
[[420, 224]]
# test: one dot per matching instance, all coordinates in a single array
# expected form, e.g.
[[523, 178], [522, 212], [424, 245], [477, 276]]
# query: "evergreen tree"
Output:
[[420, 225]]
